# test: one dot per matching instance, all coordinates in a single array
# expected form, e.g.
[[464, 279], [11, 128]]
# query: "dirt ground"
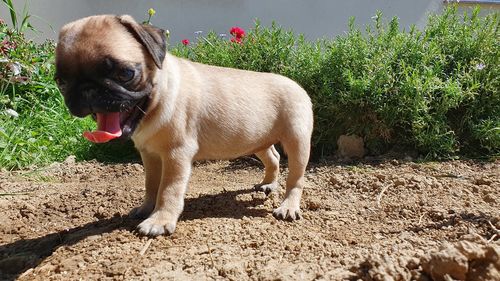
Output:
[[382, 220]]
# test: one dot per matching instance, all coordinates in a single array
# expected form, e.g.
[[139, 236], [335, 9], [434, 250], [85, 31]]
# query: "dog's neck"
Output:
[[161, 106]]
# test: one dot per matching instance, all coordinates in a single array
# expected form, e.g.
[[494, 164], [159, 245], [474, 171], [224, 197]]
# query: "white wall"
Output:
[[314, 18]]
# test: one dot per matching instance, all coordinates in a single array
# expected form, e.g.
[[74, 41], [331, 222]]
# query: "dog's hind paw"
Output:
[[267, 188], [287, 213]]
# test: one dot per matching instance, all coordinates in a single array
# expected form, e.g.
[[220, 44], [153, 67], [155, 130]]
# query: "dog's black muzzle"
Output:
[[108, 96]]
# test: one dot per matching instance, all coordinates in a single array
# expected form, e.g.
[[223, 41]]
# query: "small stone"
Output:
[[70, 160], [351, 146], [436, 184], [376, 185], [483, 181], [406, 213], [413, 263], [313, 205], [116, 269], [335, 179], [27, 209], [94, 237], [48, 267], [416, 178], [488, 198], [399, 181], [138, 167], [380, 177]]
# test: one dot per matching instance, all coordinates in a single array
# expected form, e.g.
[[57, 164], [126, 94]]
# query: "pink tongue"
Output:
[[108, 128]]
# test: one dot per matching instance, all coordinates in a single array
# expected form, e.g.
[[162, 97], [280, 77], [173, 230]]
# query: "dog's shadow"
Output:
[[223, 205], [21, 255]]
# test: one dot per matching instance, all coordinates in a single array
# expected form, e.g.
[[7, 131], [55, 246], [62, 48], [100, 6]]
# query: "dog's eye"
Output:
[[126, 74]]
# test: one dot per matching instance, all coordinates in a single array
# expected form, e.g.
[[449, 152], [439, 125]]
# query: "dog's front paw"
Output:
[[157, 225], [267, 188], [287, 212]]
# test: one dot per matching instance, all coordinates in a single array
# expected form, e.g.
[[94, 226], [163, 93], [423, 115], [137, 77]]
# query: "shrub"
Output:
[[433, 90]]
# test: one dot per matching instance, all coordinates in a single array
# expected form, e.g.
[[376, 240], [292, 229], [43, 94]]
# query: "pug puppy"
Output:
[[177, 111]]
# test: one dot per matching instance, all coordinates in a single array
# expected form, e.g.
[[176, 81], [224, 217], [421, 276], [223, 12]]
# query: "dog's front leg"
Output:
[[153, 169], [170, 197]]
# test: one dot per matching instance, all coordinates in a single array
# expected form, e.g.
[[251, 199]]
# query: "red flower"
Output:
[[185, 42], [237, 32]]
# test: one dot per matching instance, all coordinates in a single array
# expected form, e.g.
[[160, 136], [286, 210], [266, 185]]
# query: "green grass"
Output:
[[44, 131], [433, 91]]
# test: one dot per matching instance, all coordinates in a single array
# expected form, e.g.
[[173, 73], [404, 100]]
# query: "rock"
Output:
[[446, 261], [232, 270], [464, 260], [376, 185], [483, 181], [384, 267], [488, 198], [94, 237], [399, 181], [27, 209], [69, 264], [351, 146], [313, 204], [138, 167], [70, 160], [336, 179], [381, 177], [45, 269], [115, 269]]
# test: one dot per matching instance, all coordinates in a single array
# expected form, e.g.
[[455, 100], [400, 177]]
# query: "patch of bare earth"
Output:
[[390, 221]]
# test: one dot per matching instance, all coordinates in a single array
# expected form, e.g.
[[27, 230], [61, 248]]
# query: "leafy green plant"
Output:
[[434, 91], [24, 23], [35, 127]]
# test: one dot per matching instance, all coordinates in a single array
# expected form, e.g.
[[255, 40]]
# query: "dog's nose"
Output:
[[78, 98], [77, 107]]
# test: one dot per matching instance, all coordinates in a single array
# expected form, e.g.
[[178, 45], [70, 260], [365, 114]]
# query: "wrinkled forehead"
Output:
[[90, 40]]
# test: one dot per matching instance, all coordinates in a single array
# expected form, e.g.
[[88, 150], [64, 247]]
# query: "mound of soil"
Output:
[[386, 221], [472, 258]]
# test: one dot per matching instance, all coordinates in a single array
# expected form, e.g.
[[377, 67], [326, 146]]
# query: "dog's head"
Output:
[[105, 66]]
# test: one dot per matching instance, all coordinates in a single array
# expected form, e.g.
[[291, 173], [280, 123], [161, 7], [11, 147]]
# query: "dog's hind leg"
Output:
[[271, 160], [298, 150]]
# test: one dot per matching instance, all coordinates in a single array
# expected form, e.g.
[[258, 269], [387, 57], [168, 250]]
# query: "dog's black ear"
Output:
[[153, 38]]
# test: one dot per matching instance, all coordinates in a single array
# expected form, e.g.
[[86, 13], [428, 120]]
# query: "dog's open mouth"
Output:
[[112, 125]]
